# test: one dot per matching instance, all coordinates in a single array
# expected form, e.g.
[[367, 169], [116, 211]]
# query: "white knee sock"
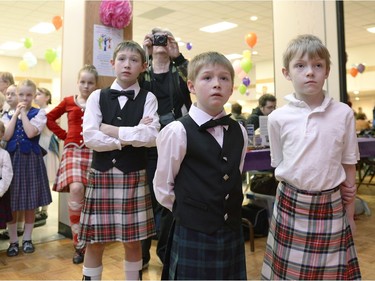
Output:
[[12, 229], [93, 273], [132, 269], [28, 231]]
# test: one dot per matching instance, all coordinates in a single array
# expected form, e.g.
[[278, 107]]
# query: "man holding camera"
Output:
[[166, 79]]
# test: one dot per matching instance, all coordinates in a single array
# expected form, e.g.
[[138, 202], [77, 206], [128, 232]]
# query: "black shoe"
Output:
[[78, 256], [84, 277], [145, 264], [44, 215], [4, 235], [39, 223], [13, 249], [19, 232], [28, 247]]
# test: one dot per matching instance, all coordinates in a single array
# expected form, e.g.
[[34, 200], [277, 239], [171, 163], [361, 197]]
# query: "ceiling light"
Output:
[[218, 27], [43, 28], [254, 53], [371, 29], [233, 56], [356, 98], [356, 92], [253, 18], [11, 45], [180, 43]]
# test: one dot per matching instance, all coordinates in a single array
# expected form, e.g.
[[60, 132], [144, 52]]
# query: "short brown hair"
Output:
[[265, 98], [7, 77], [132, 45]]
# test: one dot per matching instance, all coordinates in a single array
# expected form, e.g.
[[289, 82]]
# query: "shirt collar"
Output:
[[200, 117], [291, 98], [134, 87]]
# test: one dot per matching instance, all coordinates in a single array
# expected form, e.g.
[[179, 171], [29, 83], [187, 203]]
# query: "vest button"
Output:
[[227, 197], [226, 177], [119, 118], [225, 159], [113, 161], [225, 217]]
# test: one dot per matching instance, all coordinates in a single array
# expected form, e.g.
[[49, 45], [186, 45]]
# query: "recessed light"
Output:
[[180, 43], [253, 18], [371, 29], [43, 28], [218, 27], [10, 45], [356, 98], [356, 92], [254, 53]]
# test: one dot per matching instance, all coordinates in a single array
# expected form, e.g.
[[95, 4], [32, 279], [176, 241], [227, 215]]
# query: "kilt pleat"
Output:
[[198, 256], [29, 188], [74, 167], [309, 239], [117, 207]]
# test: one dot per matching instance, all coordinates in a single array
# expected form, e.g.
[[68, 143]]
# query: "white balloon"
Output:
[[30, 59]]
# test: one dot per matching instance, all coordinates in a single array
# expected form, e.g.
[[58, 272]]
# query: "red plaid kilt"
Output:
[[74, 167], [117, 207], [309, 239]]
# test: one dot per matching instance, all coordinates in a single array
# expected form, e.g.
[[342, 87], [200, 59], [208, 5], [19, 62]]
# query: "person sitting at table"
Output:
[[361, 123], [266, 104]]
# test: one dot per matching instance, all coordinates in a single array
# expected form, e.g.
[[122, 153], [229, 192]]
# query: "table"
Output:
[[366, 147], [366, 151]]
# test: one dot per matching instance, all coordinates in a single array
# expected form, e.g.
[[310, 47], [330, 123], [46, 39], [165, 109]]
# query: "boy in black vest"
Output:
[[119, 123], [198, 178]]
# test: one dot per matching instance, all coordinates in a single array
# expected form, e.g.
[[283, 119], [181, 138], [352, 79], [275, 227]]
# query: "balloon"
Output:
[[56, 65], [246, 65], [361, 68], [189, 46], [50, 55], [22, 65], [237, 66], [28, 43], [57, 22], [247, 54], [30, 59], [242, 89], [242, 75], [353, 71], [246, 81], [251, 39]]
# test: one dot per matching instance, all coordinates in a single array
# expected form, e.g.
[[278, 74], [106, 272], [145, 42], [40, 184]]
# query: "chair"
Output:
[[251, 231], [368, 166]]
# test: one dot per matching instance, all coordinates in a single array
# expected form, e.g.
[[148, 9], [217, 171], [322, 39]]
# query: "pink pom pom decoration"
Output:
[[116, 13]]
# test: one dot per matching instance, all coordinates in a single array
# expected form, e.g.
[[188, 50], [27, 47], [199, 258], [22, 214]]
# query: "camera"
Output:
[[160, 40]]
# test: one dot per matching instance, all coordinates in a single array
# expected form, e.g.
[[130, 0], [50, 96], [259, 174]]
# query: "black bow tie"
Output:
[[129, 94], [217, 122]]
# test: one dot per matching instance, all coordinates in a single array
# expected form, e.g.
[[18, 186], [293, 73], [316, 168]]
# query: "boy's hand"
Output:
[[146, 120]]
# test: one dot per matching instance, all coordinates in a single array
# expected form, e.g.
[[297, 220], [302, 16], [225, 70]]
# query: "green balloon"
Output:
[[246, 65], [50, 55], [28, 43], [242, 89]]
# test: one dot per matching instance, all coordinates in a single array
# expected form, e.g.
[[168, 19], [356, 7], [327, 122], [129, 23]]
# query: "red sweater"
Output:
[[75, 118]]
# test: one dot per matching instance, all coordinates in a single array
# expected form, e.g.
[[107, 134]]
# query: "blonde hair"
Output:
[[7, 77], [90, 69], [306, 44], [208, 58], [47, 93], [131, 45], [2, 128], [27, 83]]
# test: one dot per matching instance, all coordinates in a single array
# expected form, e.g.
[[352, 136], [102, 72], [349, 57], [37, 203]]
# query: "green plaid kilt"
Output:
[[117, 207], [309, 238]]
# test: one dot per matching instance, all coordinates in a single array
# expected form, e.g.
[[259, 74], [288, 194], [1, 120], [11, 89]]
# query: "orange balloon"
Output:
[[57, 22], [353, 71], [251, 39]]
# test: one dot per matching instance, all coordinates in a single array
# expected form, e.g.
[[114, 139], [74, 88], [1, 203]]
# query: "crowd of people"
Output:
[[142, 162]]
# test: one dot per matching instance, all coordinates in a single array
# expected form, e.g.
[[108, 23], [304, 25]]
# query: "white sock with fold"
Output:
[[93, 273], [28, 231], [12, 229], [132, 269]]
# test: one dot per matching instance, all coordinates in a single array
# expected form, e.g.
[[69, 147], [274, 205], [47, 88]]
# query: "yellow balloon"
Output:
[[247, 54], [56, 65], [22, 65]]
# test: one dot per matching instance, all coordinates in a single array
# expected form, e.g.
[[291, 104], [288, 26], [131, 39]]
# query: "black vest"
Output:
[[129, 158], [208, 186]]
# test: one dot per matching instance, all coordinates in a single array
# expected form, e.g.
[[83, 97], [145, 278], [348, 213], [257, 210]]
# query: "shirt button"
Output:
[[226, 177], [225, 217], [81, 141]]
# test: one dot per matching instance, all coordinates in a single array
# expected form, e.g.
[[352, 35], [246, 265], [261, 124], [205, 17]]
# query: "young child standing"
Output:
[[314, 149], [6, 175], [119, 123], [198, 178], [29, 188], [49, 143], [76, 157]]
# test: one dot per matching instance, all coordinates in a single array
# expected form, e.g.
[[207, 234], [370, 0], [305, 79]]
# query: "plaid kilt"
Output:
[[74, 167], [117, 207], [195, 255], [309, 238], [29, 188]]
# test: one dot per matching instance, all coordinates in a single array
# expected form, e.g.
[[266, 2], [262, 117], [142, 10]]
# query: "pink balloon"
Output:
[[242, 74], [237, 66]]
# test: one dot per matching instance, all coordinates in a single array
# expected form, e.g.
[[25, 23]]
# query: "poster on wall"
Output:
[[105, 41]]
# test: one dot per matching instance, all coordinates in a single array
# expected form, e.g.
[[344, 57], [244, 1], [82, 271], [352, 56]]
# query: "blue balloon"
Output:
[[246, 81], [189, 46]]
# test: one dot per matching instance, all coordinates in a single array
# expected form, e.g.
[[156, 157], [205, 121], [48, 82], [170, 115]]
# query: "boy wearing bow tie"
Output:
[[119, 124], [198, 178]]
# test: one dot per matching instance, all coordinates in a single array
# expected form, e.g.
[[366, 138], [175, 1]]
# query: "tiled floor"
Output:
[[47, 232]]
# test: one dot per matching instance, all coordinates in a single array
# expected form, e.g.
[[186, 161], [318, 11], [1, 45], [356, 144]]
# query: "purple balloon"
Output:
[[189, 46], [361, 68], [246, 81]]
